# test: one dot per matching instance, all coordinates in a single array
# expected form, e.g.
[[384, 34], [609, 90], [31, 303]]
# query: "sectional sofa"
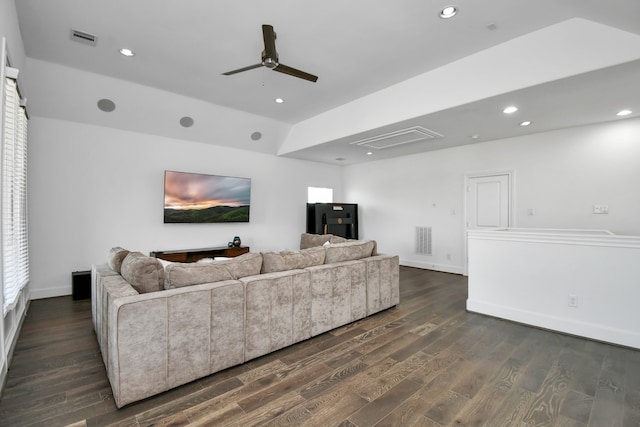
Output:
[[160, 325]]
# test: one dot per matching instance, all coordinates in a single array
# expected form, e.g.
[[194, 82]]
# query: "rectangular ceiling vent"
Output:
[[399, 137], [83, 37]]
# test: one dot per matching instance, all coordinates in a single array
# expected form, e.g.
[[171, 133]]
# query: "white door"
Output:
[[488, 202]]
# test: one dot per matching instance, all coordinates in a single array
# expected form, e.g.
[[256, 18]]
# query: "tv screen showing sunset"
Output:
[[199, 198]]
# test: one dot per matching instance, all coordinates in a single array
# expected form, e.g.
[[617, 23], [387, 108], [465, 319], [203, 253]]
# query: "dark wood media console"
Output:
[[193, 255]]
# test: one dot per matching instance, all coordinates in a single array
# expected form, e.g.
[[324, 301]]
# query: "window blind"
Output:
[[15, 250]]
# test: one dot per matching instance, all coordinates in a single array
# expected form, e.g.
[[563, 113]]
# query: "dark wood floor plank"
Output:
[[371, 390], [608, 406], [376, 410], [426, 362], [545, 408], [478, 410], [512, 410]]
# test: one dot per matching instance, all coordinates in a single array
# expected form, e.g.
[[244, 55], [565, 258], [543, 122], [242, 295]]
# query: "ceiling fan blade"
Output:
[[295, 73], [239, 70], [269, 37]]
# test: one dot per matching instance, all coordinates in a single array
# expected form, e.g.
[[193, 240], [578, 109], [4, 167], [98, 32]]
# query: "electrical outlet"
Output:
[[573, 300]]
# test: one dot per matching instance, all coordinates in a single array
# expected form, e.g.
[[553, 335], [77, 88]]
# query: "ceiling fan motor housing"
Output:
[[270, 62]]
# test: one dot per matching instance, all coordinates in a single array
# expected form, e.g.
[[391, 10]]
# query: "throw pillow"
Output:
[[165, 263], [312, 240], [248, 264], [287, 260], [348, 251], [187, 274], [115, 257], [144, 274], [337, 239]]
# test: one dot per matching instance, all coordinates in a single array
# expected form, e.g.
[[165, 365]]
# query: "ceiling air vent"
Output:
[[82, 37], [398, 137]]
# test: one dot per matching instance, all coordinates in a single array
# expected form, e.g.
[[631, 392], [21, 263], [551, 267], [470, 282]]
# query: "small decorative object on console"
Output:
[[236, 241]]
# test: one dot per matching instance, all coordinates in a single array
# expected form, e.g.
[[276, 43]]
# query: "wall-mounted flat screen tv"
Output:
[[200, 198]]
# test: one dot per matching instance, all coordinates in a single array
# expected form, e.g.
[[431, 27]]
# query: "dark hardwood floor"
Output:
[[426, 362]]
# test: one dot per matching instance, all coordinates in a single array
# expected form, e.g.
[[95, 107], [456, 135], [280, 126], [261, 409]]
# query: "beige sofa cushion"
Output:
[[248, 264], [287, 260], [337, 239], [311, 240], [308, 240], [144, 274], [349, 251], [115, 257], [187, 274]]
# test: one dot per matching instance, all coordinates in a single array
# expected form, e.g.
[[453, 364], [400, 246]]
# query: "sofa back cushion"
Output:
[[115, 257], [248, 264], [187, 274], [349, 251], [308, 240], [287, 260], [144, 274]]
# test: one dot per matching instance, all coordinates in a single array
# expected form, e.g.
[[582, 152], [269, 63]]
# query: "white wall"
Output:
[[10, 29], [559, 174], [92, 188]]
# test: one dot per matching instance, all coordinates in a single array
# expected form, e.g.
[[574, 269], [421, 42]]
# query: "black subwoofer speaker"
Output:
[[81, 284]]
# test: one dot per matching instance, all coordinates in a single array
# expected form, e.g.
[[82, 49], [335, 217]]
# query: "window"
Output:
[[15, 251], [320, 195]]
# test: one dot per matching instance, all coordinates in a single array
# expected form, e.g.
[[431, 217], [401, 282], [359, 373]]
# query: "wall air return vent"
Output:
[[398, 137], [83, 37], [423, 240]]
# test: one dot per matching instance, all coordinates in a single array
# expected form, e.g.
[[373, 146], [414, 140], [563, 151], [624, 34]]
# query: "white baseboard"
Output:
[[428, 266], [50, 293], [625, 337]]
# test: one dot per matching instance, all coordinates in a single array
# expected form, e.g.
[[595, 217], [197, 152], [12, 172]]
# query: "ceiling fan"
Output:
[[270, 58]]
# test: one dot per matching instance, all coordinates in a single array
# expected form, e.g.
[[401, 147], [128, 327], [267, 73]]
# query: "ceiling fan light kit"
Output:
[[270, 59]]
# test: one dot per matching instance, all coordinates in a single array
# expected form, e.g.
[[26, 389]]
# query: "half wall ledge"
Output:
[[580, 282]]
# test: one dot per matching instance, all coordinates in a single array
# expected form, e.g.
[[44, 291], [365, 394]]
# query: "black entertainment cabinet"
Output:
[[340, 219]]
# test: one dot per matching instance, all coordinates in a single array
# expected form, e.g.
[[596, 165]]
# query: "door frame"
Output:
[[510, 173]]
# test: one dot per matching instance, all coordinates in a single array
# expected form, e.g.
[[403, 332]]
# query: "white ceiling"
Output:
[[356, 47]]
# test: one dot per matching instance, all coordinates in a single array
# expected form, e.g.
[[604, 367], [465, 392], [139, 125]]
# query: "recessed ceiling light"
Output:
[[525, 123], [474, 136], [448, 12], [510, 109], [127, 52], [624, 112], [279, 100], [340, 159], [369, 153]]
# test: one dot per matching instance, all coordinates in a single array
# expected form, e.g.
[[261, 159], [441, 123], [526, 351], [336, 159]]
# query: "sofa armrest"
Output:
[[160, 340], [110, 288], [98, 272], [383, 282]]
